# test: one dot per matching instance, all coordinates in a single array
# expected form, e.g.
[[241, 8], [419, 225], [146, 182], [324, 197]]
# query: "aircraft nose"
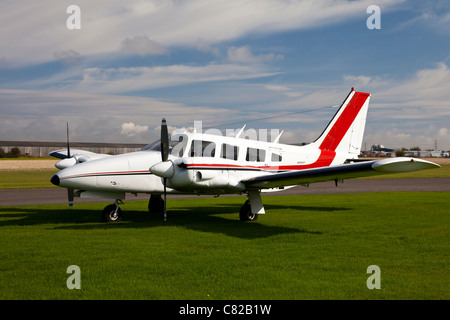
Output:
[[55, 180]]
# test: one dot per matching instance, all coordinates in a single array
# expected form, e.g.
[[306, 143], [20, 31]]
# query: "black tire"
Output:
[[245, 214], [109, 214], [156, 204]]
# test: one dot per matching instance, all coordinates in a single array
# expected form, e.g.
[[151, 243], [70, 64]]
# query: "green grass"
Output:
[[305, 247], [26, 179]]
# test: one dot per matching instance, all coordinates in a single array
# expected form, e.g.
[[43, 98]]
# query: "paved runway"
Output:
[[16, 197]]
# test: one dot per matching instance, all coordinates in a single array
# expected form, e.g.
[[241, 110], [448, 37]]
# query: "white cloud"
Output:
[[106, 23], [205, 46], [422, 96], [244, 55], [275, 87], [433, 15], [398, 138], [39, 115], [410, 112], [121, 80], [130, 129], [357, 80], [69, 57], [142, 46]]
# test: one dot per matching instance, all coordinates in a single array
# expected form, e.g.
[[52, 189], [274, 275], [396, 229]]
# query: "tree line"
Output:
[[13, 153]]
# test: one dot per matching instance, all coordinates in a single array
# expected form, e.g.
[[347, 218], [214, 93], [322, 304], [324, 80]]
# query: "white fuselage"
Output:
[[204, 164]]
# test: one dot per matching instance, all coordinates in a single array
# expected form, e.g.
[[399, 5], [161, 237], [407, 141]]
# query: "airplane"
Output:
[[207, 164]]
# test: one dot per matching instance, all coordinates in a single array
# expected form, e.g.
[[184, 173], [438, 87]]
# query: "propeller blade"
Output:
[[68, 144], [164, 141], [164, 158], [70, 193]]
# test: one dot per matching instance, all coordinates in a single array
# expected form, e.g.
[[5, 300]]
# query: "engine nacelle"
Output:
[[66, 163], [189, 177]]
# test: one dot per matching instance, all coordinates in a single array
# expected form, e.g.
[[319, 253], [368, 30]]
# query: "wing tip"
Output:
[[403, 164]]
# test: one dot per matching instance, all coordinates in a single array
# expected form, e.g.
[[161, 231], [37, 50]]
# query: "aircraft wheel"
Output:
[[110, 215], [245, 214], [156, 204]]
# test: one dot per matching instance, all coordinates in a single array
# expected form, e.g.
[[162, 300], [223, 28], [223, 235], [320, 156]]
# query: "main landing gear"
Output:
[[245, 214], [252, 207], [156, 204]]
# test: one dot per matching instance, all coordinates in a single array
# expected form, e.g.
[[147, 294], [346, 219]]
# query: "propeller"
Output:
[[68, 144], [70, 192], [164, 169], [164, 158], [164, 141], [67, 159]]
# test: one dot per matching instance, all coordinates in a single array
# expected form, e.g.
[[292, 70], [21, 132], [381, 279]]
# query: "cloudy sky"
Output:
[[225, 62]]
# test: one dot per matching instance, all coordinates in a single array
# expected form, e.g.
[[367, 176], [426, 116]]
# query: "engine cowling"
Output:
[[189, 176]]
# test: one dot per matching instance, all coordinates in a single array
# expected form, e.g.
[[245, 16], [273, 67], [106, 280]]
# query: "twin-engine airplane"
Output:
[[198, 163]]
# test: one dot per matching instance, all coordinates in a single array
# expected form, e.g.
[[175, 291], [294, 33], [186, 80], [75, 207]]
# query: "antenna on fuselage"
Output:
[[277, 139], [240, 132]]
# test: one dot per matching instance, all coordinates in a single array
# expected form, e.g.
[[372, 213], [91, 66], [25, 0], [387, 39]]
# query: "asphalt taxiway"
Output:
[[20, 197]]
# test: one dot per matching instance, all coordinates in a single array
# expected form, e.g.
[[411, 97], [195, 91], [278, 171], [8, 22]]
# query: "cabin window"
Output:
[[258, 155], [276, 157], [229, 152], [201, 148]]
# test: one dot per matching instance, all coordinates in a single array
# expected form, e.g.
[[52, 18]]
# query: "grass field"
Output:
[[305, 247], [26, 179]]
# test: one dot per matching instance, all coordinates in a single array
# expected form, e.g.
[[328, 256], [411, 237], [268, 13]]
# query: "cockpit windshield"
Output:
[[154, 146], [177, 145]]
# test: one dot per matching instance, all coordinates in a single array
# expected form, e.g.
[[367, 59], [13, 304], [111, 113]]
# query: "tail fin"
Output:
[[345, 131]]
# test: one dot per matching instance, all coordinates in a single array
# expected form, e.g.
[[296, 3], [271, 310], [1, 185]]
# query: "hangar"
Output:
[[41, 149]]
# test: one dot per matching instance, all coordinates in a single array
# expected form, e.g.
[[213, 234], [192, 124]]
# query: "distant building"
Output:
[[42, 149], [426, 154], [378, 150], [380, 147]]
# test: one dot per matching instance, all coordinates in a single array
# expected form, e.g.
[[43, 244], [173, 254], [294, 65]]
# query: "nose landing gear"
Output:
[[112, 212]]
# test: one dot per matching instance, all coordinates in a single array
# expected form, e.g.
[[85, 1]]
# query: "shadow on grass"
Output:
[[222, 218]]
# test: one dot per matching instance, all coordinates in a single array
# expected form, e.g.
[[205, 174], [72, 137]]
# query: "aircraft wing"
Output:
[[63, 154], [339, 172], [76, 156]]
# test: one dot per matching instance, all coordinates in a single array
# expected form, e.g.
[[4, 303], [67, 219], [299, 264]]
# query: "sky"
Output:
[[269, 64]]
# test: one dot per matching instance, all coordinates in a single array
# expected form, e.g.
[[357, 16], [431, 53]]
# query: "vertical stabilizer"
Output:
[[345, 131]]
